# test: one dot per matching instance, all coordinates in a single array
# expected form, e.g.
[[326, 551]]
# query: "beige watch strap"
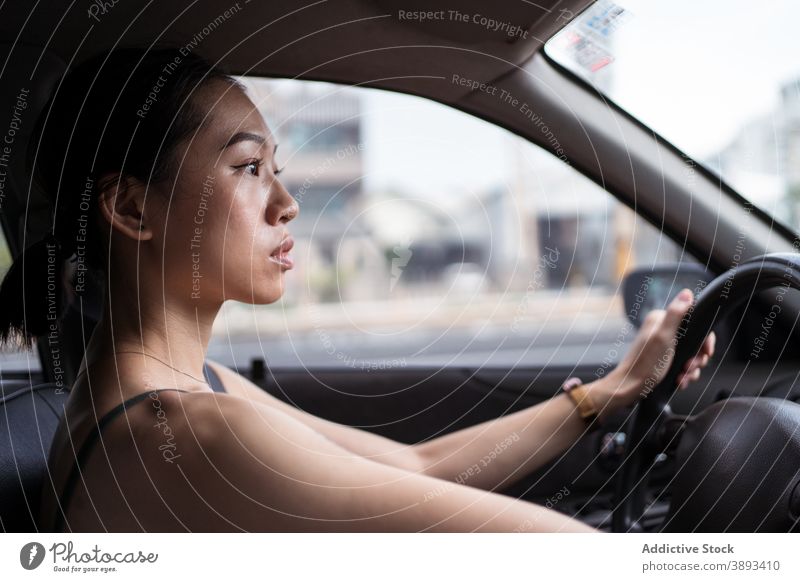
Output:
[[580, 396]]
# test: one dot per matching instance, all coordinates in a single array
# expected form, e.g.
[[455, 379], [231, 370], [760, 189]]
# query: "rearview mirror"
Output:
[[645, 289]]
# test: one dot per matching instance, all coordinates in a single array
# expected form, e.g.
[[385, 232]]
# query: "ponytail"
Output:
[[33, 294]]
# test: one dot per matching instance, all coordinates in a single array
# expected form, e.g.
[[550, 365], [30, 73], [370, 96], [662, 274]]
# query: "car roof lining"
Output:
[[343, 41]]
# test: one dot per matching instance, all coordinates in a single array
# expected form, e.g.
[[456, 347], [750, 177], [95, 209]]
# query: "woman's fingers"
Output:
[[709, 344], [692, 363], [685, 379], [700, 360]]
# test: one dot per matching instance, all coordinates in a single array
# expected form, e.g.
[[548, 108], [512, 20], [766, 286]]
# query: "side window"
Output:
[[5, 255], [427, 236], [14, 361]]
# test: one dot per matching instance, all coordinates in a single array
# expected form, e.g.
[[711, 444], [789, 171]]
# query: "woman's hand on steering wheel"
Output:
[[650, 356]]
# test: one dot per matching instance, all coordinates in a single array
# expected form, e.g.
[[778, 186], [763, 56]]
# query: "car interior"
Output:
[[723, 456]]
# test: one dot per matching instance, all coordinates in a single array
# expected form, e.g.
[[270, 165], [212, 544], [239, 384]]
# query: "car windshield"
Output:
[[720, 81]]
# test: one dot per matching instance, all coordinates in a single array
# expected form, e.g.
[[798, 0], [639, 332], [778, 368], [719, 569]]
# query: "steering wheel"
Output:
[[652, 423]]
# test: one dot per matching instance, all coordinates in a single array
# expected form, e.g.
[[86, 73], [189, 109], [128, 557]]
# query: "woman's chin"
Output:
[[261, 289], [269, 292]]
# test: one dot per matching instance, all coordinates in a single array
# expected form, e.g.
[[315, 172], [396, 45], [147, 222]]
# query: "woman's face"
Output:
[[225, 233]]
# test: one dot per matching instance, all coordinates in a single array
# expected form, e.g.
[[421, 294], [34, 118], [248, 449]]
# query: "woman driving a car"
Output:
[[164, 189]]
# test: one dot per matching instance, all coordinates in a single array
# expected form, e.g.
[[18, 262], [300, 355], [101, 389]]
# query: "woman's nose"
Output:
[[283, 207], [291, 211]]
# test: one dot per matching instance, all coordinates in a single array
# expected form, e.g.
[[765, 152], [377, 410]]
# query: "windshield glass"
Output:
[[719, 80]]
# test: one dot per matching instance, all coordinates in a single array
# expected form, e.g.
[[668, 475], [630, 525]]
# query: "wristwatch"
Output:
[[575, 389]]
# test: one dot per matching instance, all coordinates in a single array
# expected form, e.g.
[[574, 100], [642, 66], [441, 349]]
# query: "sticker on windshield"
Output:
[[588, 40]]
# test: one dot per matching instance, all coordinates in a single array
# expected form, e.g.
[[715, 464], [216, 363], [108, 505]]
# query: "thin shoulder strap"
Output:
[[86, 448], [213, 378]]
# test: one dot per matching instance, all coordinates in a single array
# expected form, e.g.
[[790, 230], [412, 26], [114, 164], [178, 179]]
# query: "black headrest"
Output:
[[29, 416]]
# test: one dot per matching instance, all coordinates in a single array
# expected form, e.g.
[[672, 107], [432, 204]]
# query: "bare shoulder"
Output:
[[252, 467], [219, 420]]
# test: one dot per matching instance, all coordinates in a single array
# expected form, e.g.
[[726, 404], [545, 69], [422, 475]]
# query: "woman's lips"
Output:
[[281, 254]]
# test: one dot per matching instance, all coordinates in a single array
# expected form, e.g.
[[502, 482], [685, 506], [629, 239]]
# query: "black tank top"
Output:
[[86, 448]]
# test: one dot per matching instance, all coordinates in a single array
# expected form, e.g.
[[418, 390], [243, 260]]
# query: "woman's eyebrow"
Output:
[[244, 136]]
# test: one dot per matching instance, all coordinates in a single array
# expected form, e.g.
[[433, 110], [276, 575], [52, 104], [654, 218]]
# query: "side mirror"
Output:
[[645, 289]]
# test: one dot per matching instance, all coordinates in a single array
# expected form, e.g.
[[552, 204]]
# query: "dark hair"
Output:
[[119, 113]]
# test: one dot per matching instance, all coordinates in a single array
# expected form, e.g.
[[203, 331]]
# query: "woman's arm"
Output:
[[499, 452], [525, 440], [256, 468]]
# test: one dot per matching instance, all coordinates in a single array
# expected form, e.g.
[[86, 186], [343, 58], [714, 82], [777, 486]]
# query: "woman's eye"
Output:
[[255, 165]]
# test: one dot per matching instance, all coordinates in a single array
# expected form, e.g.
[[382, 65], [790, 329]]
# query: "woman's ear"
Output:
[[121, 202]]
